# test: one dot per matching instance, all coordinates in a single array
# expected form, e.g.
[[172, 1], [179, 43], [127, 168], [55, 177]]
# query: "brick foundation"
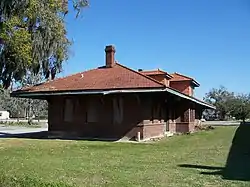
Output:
[[172, 127], [153, 129], [191, 127], [181, 127]]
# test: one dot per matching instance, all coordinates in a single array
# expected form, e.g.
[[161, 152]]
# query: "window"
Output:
[[68, 110], [92, 111], [156, 111], [182, 117], [118, 110]]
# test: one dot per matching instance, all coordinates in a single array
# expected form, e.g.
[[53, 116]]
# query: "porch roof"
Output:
[[113, 91]]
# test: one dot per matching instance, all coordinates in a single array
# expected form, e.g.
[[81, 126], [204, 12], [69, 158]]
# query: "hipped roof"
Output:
[[180, 77], [102, 80]]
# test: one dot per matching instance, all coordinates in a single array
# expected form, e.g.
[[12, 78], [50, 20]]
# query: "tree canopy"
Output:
[[228, 104], [240, 107], [220, 98], [9, 8], [23, 108], [33, 38]]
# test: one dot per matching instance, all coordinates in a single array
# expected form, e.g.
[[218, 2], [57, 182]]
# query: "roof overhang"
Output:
[[169, 90], [107, 92], [195, 83], [169, 76], [195, 100]]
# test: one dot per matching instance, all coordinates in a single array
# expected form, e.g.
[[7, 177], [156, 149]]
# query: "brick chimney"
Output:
[[110, 56]]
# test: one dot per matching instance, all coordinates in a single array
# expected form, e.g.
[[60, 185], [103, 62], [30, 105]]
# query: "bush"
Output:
[[202, 127]]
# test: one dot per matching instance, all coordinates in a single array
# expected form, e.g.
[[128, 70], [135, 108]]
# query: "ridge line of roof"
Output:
[[154, 70], [158, 70], [151, 79], [184, 76]]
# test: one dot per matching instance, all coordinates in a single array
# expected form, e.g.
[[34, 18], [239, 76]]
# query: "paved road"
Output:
[[12, 130], [222, 123]]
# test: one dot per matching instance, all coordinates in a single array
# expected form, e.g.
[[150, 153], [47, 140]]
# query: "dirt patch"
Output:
[[11, 143]]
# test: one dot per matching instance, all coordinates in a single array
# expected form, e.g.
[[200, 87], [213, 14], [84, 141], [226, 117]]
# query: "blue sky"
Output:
[[205, 39]]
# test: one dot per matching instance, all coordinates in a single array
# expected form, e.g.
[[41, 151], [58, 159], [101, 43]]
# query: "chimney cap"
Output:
[[110, 48]]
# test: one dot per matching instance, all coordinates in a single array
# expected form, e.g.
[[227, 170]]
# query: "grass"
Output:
[[21, 124], [26, 162]]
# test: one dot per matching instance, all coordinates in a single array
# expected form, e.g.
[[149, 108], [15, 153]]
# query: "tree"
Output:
[[33, 38], [36, 107], [209, 114], [221, 99], [240, 107], [8, 8], [15, 106], [21, 107]]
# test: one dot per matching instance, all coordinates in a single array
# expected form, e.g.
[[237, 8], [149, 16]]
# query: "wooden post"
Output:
[[138, 136]]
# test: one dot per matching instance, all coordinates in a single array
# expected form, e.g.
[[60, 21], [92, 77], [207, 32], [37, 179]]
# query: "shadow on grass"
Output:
[[45, 135], [237, 166], [31, 135]]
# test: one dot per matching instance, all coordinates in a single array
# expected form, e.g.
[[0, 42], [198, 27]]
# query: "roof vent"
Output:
[[140, 69]]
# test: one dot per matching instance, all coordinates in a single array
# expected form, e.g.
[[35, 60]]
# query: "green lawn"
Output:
[[26, 162]]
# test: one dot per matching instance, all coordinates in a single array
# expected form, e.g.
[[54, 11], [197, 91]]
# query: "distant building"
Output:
[[4, 114]]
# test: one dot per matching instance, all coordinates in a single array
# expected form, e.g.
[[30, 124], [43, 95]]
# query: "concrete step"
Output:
[[169, 134]]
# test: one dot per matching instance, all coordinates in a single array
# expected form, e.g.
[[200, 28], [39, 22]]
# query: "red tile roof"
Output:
[[102, 78], [180, 77], [155, 72]]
